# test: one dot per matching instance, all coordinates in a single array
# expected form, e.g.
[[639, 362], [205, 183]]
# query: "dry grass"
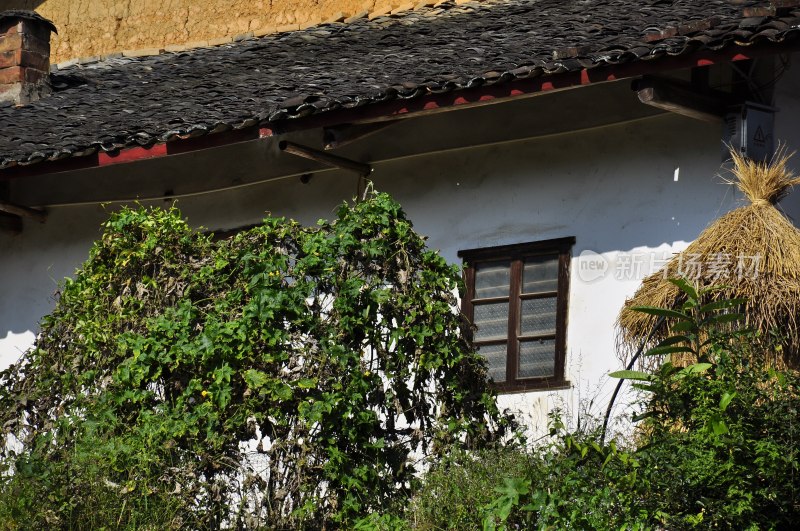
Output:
[[770, 283]]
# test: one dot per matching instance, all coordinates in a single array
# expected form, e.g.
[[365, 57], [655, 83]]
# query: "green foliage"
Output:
[[461, 483], [727, 457], [75, 493], [577, 484], [570, 482], [335, 350], [716, 447], [721, 433], [380, 522]]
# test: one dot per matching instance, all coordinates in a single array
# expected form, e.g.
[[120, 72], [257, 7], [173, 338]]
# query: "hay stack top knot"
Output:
[[763, 184]]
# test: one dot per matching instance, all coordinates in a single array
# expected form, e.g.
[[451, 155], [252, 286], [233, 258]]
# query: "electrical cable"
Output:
[[647, 340]]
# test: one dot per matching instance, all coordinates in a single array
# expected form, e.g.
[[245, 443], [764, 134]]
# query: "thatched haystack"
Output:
[[753, 252]]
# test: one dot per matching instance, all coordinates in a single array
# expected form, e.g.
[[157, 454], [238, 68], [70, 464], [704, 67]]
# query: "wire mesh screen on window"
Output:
[[532, 337]]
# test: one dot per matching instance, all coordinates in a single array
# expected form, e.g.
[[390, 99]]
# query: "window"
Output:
[[517, 299]]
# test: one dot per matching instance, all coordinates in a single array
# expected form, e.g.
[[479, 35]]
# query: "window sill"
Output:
[[530, 387]]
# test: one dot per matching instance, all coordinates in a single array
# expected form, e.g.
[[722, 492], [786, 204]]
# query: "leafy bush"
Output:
[[732, 462], [460, 484], [720, 432], [570, 482], [334, 350]]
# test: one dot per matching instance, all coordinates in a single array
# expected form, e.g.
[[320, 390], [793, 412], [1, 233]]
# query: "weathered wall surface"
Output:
[[89, 28]]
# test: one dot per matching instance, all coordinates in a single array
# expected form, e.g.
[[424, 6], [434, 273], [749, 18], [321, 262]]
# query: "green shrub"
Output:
[[720, 434], [570, 482], [728, 457], [73, 491], [458, 486], [335, 349]]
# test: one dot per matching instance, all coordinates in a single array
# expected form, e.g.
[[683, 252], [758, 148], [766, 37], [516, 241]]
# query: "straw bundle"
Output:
[[753, 252]]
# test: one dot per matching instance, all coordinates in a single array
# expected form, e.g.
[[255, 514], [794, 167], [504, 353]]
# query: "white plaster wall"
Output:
[[649, 185]]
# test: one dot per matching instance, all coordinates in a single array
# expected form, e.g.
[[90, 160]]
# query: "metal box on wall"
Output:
[[749, 130]]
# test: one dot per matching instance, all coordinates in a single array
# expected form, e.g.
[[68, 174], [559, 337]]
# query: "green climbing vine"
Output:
[[287, 377]]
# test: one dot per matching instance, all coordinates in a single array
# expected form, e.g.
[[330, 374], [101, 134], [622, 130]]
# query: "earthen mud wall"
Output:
[[88, 28]]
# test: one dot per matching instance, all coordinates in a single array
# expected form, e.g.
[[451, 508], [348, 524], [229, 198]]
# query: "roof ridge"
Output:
[[337, 18]]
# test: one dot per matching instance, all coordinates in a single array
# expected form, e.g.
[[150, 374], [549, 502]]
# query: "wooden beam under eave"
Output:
[[341, 135], [23, 212], [682, 98]]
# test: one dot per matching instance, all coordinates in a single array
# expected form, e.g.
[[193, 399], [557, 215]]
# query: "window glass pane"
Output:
[[537, 358], [491, 320], [538, 316], [540, 274], [492, 279], [496, 357]]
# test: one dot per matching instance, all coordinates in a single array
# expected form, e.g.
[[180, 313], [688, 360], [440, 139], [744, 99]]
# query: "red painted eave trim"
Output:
[[131, 155], [400, 108], [137, 153]]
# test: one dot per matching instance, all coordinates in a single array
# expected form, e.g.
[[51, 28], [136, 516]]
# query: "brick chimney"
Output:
[[24, 57]]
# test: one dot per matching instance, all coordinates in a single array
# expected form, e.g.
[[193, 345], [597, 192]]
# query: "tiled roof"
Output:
[[123, 102]]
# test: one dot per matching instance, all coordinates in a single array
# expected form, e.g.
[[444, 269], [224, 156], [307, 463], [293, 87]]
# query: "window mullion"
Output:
[[561, 312], [512, 363], [466, 302]]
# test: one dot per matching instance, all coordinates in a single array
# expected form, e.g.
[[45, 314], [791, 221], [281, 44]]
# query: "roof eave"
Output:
[[405, 108]]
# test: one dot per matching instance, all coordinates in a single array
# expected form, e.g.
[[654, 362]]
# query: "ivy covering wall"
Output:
[[288, 377]]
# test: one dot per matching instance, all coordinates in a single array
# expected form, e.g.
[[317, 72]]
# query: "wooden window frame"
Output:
[[516, 254]]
